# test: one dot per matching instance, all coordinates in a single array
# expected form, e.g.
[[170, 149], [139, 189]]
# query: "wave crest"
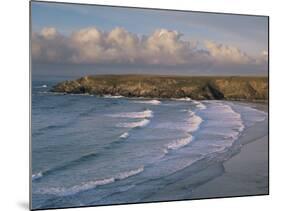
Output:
[[199, 105], [182, 99], [143, 114], [151, 102], [126, 174], [113, 96], [194, 122], [67, 191], [37, 176], [179, 143], [124, 135], [141, 123]]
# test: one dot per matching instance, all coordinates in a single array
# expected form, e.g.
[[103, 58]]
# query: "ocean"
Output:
[[91, 150]]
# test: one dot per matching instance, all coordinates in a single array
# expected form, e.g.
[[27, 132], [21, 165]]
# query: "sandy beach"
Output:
[[245, 173]]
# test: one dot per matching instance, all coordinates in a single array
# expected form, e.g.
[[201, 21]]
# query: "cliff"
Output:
[[152, 86]]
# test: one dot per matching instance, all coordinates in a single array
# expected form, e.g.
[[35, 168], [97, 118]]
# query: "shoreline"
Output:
[[202, 179], [258, 102], [245, 173]]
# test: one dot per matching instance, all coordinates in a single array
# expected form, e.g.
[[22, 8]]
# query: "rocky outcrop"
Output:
[[198, 88]]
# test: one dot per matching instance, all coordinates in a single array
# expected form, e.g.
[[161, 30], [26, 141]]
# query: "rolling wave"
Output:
[[141, 123], [182, 99], [67, 191], [124, 135], [151, 102], [143, 114], [63, 166], [199, 105], [229, 122], [179, 143], [191, 125], [194, 122], [113, 96], [37, 176]]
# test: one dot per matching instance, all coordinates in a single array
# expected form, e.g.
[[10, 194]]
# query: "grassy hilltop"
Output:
[[155, 86]]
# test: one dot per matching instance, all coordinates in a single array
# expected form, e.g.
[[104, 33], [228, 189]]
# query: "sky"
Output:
[[133, 40]]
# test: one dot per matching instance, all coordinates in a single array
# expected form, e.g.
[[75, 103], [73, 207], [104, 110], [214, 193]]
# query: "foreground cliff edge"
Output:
[[155, 86]]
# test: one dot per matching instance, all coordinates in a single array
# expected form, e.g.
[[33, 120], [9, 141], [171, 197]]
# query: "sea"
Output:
[[99, 150]]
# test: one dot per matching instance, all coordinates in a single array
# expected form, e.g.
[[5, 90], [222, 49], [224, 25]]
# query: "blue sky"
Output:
[[248, 33]]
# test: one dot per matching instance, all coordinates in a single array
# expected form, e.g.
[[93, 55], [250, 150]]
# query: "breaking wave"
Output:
[[182, 99], [37, 176], [151, 102], [113, 96], [191, 125], [63, 166], [124, 135], [229, 122], [194, 122], [141, 123], [199, 105], [67, 191], [143, 114], [179, 143]]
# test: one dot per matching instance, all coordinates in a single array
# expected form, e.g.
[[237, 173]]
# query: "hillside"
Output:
[[152, 86]]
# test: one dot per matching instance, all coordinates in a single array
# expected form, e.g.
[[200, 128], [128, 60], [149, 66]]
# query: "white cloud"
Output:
[[49, 33], [227, 54], [118, 46]]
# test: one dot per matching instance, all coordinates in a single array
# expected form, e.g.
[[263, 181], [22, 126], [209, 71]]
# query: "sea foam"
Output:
[[179, 143], [37, 176], [67, 191], [229, 121], [151, 102], [124, 135], [142, 114], [193, 122], [113, 96], [126, 174], [141, 123], [199, 105], [182, 99]]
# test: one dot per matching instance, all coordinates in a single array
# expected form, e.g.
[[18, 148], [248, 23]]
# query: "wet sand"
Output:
[[246, 172]]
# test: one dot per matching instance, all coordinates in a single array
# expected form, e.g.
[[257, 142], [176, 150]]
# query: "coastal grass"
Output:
[[169, 86]]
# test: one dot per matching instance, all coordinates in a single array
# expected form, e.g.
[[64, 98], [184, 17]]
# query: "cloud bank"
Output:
[[118, 46]]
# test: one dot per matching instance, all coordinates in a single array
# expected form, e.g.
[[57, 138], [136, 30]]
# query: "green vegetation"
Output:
[[155, 86]]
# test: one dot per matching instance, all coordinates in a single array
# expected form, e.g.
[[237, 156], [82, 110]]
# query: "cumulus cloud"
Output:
[[227, 54], [91, 45], [49, 33], [50, 46], [118, 46]]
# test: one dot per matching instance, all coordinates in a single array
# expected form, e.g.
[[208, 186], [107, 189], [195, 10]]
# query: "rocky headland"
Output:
[[155, 86]]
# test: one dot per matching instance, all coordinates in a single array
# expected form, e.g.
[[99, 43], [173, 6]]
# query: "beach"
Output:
[[173, 109], [178, 149], [245, 173]]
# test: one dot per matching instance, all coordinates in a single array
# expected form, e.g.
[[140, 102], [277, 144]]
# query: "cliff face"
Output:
[[198, 88]]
